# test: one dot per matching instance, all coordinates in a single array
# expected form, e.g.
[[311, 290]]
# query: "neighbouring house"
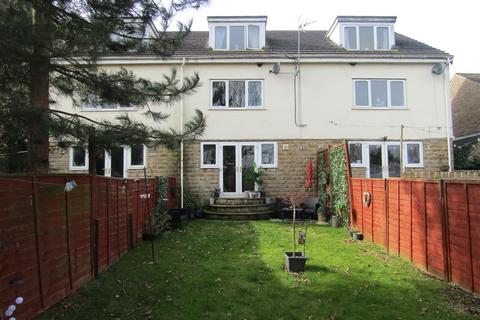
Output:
[[276, 98], [466, 112]]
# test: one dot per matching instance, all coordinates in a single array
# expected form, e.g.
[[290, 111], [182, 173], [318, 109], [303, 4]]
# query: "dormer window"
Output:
[[237, 33], [363, 33]]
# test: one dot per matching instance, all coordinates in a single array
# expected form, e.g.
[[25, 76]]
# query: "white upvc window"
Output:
[[78, 158], [237, 37], [379, 93], [413, 154], [136, 156], [355, 152], [267, 155], [236, 94], [367, 37], [208, 155]]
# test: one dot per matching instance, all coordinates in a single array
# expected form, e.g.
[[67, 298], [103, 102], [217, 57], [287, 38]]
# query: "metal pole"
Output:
[[149, 213]]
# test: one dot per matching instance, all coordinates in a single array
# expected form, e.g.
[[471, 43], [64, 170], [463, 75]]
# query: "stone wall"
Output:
[[160, 162], [435, 159]]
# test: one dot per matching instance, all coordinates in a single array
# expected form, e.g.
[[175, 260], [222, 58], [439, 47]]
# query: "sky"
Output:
[[447, 25]]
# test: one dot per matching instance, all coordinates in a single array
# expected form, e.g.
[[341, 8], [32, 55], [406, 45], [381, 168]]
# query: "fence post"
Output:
[[398, 217], [118, 220], [446, 236], [411, 223], [129, 231], [467, 211], [108, 221], [67, 225], [385, 214], [349, 178], [425, 223], [37, 242], [95, 248], [93, 213]]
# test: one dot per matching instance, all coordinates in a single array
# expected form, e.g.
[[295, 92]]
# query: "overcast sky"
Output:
[[451, 26]]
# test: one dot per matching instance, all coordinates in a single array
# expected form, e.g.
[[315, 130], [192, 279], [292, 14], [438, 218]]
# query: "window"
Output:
[[78, 158], [268, 154], [379, 93], [108, 106], [413, 154], [208, 155], [137, 156], [355, 154], [253, 37], [237, 37], [241, 94], [221, 38], [366, 37]]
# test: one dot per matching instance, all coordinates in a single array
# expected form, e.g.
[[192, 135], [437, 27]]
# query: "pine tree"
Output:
[[55, 45]]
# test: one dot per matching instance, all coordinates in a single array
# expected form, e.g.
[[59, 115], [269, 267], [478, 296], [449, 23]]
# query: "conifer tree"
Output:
[[55, 46]]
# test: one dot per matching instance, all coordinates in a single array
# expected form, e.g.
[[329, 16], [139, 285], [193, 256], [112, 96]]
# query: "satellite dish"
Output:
[[276, 68], [438, 68]]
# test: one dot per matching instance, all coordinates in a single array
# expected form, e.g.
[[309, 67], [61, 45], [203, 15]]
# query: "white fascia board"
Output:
[[305, 60]]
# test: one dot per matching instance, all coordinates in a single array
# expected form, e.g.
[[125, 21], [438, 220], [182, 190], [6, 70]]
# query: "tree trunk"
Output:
[[39, 89]]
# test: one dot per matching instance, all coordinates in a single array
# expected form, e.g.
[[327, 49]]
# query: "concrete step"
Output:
[[244, 216], [241, 208]]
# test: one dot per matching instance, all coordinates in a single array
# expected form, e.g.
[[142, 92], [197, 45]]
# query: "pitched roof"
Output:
[[471, 76], [314, 44]]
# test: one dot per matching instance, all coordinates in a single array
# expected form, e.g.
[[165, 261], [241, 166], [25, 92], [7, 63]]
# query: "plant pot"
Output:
[[358, 236], [295, 263], [212, 201], [335, 222]]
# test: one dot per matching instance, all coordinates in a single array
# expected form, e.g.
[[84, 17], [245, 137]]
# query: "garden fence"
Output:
[[52, 242], [434, 224]]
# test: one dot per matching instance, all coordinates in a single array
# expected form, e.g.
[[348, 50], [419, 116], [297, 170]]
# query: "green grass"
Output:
[[220, 270]]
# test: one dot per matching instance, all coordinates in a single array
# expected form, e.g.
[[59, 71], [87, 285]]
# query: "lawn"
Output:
[[228, 270]]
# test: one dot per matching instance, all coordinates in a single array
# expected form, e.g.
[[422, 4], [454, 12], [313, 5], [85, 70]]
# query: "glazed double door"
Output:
[[235, 160]]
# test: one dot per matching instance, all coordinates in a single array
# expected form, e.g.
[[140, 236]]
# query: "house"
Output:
[[466, 109], [278, 97]]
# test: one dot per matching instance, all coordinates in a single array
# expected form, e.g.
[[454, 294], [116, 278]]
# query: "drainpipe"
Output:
[[181, 132], [448, 113]]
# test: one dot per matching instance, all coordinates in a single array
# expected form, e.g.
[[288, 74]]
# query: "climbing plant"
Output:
[[338, 172], [322, 187]]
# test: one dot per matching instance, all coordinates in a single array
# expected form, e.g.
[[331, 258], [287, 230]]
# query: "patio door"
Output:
[[383, 160], [112, 163], [235, 160]]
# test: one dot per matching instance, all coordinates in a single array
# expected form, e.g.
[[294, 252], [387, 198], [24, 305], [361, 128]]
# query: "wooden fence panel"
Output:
[[473, 194], [419, 226], [459, 235], [434, 224], [122, 219], [102, 217], [435, 234]]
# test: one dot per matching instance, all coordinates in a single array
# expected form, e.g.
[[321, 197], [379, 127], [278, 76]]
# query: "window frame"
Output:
[[362, 147], [128, 150], [227, 102], [245, 36], [406, 164], [375, 40], [209, 166], [71, 165], [275, 155], [389, 94]]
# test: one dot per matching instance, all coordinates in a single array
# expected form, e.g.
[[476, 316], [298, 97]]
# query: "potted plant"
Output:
[[295, 261], [215, 194], [338, 219], [254, 175]]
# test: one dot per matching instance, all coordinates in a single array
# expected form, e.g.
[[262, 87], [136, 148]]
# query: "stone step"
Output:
[[241, 208], [239, 201], [244, 216]]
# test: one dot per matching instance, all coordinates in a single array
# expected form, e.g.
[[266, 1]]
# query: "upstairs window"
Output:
[[236, 94], [366, 38], [237, 37], [379, 93]]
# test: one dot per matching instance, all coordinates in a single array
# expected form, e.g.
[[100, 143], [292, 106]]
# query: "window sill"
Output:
[[358, 165], [206, 166], [136, 167], [380, 108], [78, 168], [413, 166], [236, 109]]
